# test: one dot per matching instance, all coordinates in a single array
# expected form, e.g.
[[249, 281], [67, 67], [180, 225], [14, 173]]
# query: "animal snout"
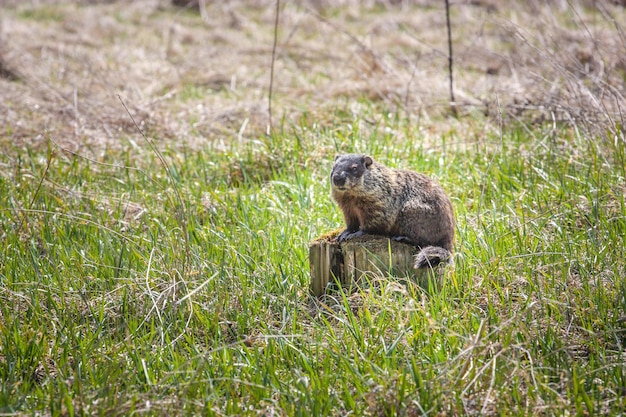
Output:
[[339, 180]]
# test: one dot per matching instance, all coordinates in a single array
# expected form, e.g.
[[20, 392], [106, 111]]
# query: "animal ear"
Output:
[[367, 161], [337, 157]]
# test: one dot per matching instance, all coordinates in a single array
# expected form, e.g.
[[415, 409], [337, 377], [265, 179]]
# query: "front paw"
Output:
[[349, 234]]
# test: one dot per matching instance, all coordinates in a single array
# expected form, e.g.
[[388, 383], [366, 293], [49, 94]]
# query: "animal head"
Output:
[[348, 171]]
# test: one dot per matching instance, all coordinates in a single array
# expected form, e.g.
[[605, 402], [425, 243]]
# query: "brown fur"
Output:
[[400, 204]]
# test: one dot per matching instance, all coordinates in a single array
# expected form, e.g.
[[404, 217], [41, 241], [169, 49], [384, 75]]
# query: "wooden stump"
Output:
[[373, 256]]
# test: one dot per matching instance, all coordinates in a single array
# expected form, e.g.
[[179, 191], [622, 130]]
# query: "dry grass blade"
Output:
[[37, 190], [179, 204]]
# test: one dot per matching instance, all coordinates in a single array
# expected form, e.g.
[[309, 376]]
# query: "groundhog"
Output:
[[403, 205]]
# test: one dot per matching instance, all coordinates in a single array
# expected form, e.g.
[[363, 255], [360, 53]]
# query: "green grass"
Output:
[[117, 299]]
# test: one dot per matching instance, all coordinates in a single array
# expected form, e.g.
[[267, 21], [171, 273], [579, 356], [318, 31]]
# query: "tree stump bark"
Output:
[[373, 256]]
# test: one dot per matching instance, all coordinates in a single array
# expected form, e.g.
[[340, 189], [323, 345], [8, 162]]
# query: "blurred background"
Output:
[[198, 71]]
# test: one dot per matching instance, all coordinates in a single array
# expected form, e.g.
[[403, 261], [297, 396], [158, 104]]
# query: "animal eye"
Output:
[[354, 169]]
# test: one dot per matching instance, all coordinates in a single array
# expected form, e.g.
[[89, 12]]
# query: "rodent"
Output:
[[401, 204]]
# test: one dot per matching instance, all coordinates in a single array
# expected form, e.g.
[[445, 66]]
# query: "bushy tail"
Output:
[[431, 256]]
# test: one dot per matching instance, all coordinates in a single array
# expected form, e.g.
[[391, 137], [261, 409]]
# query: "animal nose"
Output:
[[339, 180]]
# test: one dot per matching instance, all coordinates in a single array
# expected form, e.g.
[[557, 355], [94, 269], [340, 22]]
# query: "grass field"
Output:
[[167, 274]]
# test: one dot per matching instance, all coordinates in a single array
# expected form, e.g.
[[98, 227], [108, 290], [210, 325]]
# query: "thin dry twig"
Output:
[[450, 59], [269, 96]]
